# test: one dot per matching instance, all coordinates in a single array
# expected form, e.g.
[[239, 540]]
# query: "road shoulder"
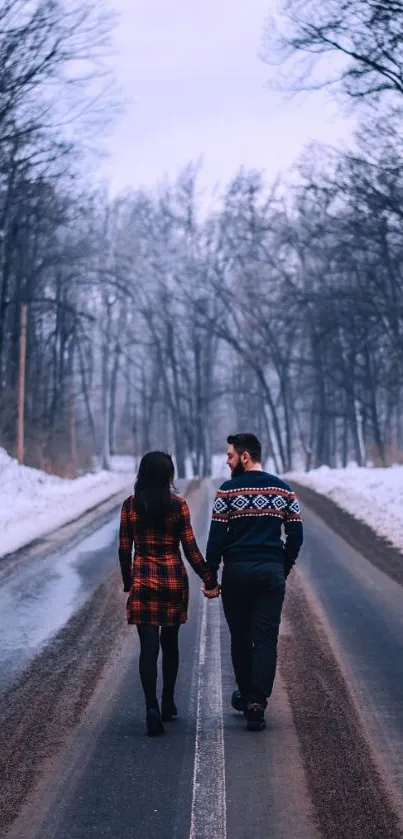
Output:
[[357, 534]]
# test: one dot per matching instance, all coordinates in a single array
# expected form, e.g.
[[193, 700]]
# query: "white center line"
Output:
[[208, 803]]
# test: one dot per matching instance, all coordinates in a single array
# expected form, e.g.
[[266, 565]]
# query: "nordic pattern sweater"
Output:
[[248, 516]]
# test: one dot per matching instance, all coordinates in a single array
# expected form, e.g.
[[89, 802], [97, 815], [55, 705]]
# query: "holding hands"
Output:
[[212, 592]]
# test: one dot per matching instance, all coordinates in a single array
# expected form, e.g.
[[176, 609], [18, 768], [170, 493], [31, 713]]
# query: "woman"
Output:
[[155, 521]]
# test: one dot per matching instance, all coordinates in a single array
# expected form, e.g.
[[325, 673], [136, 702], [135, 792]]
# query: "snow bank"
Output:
[[375, 496], [33, 503]]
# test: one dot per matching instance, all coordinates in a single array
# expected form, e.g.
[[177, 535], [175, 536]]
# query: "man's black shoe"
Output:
[[255, 717], [237, 701]]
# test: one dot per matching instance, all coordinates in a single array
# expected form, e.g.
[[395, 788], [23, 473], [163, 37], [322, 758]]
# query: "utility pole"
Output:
[[73, 436], [21, 383], [107, 397]]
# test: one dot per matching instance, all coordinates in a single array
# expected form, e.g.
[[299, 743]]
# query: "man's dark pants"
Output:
[[252, 601]]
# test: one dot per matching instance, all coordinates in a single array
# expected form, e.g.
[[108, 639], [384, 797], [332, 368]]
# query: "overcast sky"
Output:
[[194, 86]]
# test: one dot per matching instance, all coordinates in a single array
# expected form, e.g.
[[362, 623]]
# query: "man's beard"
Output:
[[239, 469]]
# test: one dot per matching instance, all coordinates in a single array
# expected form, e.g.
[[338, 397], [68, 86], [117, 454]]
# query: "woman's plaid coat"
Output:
[[155, 575]]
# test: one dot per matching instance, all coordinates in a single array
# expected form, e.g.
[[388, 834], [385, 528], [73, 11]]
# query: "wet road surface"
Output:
[[38, 598], [208, 777]]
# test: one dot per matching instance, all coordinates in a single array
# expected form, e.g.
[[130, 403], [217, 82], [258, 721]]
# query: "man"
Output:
[[248, 514]]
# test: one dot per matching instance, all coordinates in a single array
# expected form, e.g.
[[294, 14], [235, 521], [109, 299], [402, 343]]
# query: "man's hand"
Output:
[[210, 593]]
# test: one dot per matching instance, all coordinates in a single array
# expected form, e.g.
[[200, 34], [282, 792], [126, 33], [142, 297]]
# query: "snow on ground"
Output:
[[219, 468], [33, 503], [375, 496]]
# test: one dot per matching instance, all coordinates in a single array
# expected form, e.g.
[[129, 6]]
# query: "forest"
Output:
[[164, 319]]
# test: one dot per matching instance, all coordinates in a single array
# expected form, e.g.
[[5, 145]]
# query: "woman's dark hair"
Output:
[[246, 443], [152, 490]]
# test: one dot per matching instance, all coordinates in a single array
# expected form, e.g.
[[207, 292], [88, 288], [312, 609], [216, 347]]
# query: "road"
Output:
[[327, 766], [364, 611]]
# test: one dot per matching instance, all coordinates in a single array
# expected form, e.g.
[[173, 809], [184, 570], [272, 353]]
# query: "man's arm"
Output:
[[218, 532], [294, 532]]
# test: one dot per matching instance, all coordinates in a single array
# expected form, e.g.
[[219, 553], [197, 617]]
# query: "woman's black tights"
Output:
[[150, 641]]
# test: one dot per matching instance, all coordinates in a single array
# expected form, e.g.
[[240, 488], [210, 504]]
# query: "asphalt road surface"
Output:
[[75, 760]]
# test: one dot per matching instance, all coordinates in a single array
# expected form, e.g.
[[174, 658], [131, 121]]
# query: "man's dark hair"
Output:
[[246, 443]]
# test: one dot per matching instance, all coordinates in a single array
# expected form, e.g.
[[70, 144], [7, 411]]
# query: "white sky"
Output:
[[194, 86]]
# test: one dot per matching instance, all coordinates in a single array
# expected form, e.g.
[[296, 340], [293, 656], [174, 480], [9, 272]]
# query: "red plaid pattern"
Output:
[[156, 574]]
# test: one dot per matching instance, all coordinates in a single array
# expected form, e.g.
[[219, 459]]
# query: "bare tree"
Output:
[[355, 45]]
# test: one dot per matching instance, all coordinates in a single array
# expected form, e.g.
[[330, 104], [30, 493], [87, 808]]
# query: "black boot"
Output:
[[237, 701], [154, 722], [169, 710], [255, 716]]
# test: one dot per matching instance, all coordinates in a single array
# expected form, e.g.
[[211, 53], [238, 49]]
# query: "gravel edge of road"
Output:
[[351, 796], [39, 711], [357, 534]]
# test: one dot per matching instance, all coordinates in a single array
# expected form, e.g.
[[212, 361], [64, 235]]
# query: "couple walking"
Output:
[[246, 533]]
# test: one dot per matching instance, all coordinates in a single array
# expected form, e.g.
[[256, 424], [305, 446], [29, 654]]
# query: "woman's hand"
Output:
[[211, 593]]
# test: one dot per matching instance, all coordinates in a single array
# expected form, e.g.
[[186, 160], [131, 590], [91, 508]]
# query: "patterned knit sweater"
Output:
[[246, 529]]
